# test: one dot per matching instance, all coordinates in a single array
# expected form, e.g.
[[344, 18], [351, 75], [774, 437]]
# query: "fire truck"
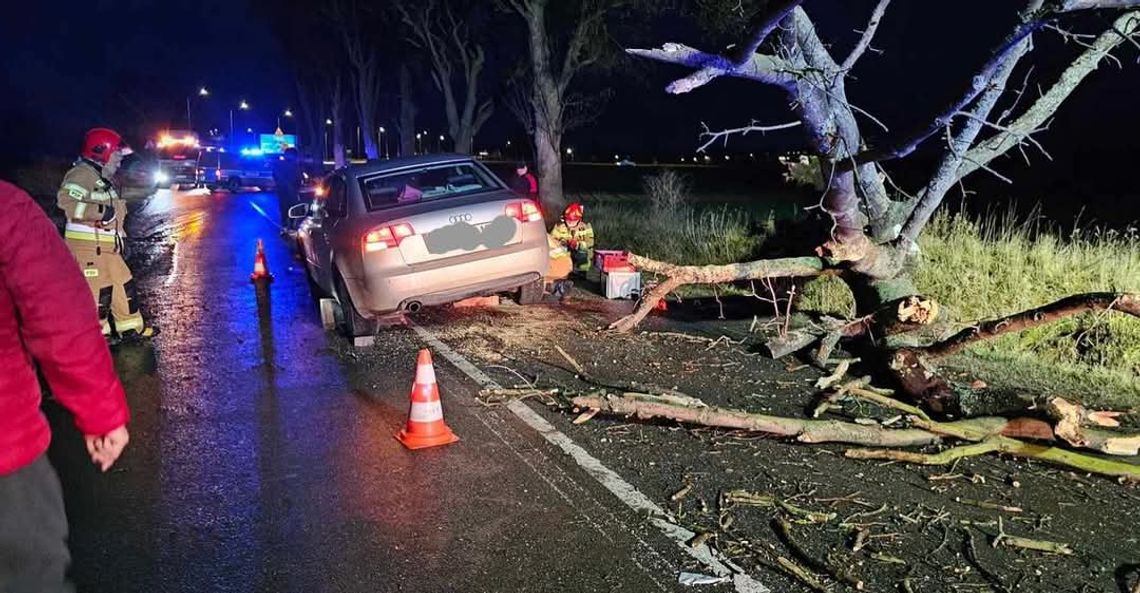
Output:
[[178, 152]]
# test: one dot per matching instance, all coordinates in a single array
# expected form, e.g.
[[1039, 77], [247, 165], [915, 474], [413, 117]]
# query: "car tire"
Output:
[[531, 293], [350, 323], [233, 184]]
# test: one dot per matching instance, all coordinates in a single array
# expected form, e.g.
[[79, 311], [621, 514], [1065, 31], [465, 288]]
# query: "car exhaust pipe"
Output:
[[413, 306]]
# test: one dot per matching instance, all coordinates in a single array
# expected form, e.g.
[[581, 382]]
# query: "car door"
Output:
[[324, 222]]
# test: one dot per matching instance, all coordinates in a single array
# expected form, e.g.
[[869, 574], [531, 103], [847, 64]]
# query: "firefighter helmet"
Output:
[[573, 212], [99, 143]]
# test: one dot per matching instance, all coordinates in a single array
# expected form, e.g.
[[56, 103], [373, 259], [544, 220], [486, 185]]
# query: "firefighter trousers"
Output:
[[111, 284]]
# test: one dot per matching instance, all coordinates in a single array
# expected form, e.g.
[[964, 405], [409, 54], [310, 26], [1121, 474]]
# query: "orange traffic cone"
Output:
[[425, 418], [260, 267]]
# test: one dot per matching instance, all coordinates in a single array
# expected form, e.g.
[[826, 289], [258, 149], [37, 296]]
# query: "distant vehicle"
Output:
[[626, 163], [177, 158], [398, 235], [219, 168]]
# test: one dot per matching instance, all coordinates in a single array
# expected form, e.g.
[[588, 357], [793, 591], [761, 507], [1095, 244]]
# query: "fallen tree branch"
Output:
[[647, 407], [1071, 427], [677, 276], [1026, 543], [746, 498], [837, 572], [1053, 455], [1072, 305]]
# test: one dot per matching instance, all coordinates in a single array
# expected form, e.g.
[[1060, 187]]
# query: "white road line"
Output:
[[170, 278], [626, 492]]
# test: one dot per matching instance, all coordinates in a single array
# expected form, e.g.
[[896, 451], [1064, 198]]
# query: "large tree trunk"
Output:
[[407, 127], [366, 85], [548, 151]]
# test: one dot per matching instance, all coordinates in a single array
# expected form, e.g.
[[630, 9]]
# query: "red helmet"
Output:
[[99, 143], [573, 212]]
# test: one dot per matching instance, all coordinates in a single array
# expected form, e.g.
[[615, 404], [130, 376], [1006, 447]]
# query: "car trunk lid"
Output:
[[443, 230]]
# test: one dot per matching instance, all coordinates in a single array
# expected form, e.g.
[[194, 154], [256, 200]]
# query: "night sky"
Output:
[[69, 65]]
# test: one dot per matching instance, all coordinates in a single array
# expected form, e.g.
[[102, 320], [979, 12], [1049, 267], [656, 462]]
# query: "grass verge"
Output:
[[981, 268]]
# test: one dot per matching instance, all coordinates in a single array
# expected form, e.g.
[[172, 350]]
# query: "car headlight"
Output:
[[161, 177]]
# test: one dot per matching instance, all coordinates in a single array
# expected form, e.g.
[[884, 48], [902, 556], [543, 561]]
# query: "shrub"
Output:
[[668, 192]]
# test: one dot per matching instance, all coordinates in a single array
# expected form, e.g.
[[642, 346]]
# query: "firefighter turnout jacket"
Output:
[[579, 239], [94, 234]]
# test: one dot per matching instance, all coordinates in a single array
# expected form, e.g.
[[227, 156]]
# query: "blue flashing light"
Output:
[[251, 151]]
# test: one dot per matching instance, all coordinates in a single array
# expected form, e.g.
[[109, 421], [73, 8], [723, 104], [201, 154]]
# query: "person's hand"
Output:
[[105, 449]]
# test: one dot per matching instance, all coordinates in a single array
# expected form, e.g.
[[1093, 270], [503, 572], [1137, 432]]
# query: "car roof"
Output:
[[384, 166]]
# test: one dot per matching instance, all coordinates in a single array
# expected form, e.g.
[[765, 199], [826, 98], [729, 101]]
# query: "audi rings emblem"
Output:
[[460, 218]]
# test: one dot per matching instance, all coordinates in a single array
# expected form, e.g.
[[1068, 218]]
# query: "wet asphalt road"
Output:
[[263, 459]]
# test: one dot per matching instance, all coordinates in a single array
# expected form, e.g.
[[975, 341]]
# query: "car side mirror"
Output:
[[299, 211]]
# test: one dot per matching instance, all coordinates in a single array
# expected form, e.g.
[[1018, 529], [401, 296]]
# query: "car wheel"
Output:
[[530, 293], [350, 323], [233, 184]]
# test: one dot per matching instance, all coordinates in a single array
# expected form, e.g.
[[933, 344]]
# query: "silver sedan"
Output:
[[394, 236]]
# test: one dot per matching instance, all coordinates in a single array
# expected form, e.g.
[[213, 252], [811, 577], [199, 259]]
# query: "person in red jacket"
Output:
[[47, 321]]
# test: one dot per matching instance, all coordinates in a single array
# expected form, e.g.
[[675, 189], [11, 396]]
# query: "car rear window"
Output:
[[431, 182]]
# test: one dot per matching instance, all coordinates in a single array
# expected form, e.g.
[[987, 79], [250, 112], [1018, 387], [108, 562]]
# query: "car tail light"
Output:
[[525, 211], [387, 237]]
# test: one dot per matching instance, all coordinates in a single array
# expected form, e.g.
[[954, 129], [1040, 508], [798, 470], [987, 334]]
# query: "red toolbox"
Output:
[[609, 260]]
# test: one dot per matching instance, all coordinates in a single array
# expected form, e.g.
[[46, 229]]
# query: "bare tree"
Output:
[[447, 41], [551, 107], [856, 196], [365, 62], [876, 261], [336, 109], [406, 127]]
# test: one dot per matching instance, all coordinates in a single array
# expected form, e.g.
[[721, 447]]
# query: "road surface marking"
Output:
[[173, 267], [259, 210], [626, 492]]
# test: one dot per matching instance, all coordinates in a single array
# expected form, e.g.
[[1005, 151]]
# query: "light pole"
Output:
[[569, 154], [383, 146], [328, 142], [288, 113], [419, 144], [242, 106], [439, 147], [202, 92]]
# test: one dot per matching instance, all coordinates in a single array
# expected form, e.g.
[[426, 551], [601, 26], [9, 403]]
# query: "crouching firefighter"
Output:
[[576, 235], [94, 234]]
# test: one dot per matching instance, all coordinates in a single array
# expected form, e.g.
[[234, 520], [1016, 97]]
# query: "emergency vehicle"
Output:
[[249, 167], [178, 152]]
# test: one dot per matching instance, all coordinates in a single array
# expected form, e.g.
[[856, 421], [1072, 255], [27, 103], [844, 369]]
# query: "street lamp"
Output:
[[202, 92], [383, 145], [288, 113], [419, 144], [439, 147], [242, 106]]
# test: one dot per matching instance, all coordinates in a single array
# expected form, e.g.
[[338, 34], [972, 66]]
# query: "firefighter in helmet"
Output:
[[94, 232], [576, 235]]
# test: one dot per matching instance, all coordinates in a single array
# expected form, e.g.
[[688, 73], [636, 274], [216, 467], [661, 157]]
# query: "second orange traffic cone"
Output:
[[260, 266], [425, 427]]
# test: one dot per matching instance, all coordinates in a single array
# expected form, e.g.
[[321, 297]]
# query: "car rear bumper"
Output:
[[387, 292]]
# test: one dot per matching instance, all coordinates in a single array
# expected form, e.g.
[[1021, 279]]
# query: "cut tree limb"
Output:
[[1071, 426], [648, 407], [677, 276], [1072, 305], [1053, 455]]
